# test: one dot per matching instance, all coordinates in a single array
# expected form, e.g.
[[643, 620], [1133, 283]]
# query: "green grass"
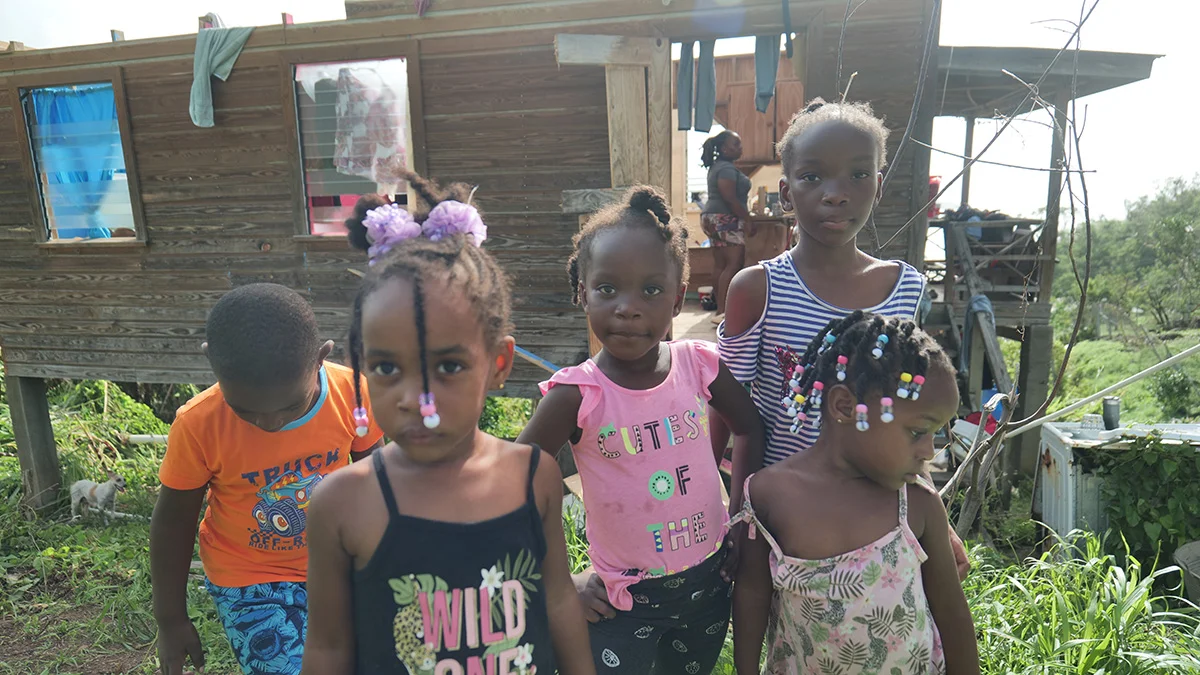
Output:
[[1096, 364], [1075, 610], [75, 597]]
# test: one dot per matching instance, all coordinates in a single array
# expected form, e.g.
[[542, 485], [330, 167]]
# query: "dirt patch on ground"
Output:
[[44, 639]]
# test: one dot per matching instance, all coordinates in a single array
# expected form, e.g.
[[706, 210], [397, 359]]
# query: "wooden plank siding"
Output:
[[219, 203]]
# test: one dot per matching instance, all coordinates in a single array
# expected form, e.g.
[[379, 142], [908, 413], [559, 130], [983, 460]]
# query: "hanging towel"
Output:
[[766, 67], [217, 50], [978, 303], [683, 86], [706, 86]]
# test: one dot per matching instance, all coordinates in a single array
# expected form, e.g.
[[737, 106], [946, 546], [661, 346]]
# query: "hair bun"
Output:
[[644, 197], [356, 231], [648, 198], [814, 105]]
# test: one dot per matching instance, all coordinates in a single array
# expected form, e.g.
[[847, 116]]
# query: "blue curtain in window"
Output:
[[78, 143]]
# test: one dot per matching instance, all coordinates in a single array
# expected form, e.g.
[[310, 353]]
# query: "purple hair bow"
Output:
[[388, 225]]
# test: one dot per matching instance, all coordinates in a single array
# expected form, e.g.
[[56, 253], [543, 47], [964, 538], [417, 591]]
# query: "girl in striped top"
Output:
[[832, 155]]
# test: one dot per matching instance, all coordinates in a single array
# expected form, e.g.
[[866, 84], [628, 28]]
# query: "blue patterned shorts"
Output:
[[265, 623]]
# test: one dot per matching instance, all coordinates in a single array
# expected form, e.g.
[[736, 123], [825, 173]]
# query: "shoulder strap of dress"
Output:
[[534, 456], [904, 504], [384, 484], [747, 515]]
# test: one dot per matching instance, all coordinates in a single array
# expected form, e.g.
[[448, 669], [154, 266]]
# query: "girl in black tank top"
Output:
[[444, 554], [469, 593]]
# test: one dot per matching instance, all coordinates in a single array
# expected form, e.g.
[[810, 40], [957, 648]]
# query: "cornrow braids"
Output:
[[844, 353], [711, 150], [642, 206], [456, 260], [858, 115]]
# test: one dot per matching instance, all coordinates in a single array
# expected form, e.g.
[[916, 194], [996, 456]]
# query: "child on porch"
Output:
[[832, 155], [445, 553], [848, 556], [635, 414], [276, 424]]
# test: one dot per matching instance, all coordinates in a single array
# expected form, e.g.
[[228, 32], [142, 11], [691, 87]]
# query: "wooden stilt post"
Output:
[[968, 148], [1038, 345], [36, 451], [1034, 382]]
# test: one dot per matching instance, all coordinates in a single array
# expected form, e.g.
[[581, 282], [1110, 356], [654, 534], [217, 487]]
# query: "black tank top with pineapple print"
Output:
[[442, 598]]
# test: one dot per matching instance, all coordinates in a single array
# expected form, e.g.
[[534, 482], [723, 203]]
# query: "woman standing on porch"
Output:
[[725, 217]]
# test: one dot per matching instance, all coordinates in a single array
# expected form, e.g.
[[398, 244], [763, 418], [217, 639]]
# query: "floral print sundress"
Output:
[[859, 613]]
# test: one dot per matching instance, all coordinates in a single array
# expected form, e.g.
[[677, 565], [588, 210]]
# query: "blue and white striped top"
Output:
[[792, 317]]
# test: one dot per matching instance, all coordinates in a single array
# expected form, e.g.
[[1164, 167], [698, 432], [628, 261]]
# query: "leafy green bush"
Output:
[[505, 417], [1151, 491], [1177, 392]]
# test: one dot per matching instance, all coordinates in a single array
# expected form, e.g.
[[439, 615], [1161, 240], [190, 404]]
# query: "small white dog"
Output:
[[87, 494]]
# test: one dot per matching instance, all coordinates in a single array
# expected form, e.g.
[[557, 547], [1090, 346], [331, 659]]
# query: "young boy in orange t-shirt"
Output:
[[258, 442]]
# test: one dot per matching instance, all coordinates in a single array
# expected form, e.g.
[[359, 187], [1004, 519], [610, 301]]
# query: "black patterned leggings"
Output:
[[677, 625]]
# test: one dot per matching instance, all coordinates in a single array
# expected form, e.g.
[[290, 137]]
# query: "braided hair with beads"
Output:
[[642, 206], [455, 259], [863, 351]]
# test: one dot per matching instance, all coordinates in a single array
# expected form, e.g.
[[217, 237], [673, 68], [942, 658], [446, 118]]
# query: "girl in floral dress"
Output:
[[847, 567]]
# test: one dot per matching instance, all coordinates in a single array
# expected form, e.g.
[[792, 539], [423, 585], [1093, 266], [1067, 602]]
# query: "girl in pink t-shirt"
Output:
[[637, 417]]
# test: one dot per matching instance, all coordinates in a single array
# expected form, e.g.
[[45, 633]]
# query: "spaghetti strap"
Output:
[[533, 466], [904, 504], [384, 483], [747, 515]]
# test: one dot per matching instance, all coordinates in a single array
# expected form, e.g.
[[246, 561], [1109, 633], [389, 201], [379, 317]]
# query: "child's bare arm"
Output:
[[747, 297], [555, 421], [947, 603], [568, 630], [172, 539], [751, 603], [329, 645], [734, 405]]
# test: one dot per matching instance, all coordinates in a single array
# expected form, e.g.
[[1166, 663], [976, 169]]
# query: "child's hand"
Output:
[[177, 641], [961, 561], [729, 568], [594, 597]]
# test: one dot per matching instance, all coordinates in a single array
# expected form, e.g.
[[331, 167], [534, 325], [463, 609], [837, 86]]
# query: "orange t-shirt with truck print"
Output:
[[259, 482]]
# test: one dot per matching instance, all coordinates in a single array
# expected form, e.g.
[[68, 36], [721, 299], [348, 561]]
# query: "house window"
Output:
[[80, 162], [354, 136]]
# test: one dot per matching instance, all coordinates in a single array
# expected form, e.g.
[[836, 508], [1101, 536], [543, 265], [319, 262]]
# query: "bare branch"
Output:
[[1010, 166]]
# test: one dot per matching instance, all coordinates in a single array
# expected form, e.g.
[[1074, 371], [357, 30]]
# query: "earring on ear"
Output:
[[860, 417]]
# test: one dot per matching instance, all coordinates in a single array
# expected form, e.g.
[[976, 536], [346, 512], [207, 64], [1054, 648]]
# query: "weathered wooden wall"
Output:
[[218, 202]]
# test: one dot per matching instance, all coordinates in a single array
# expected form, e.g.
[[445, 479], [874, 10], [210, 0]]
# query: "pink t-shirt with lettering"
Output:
[[652, 487]]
